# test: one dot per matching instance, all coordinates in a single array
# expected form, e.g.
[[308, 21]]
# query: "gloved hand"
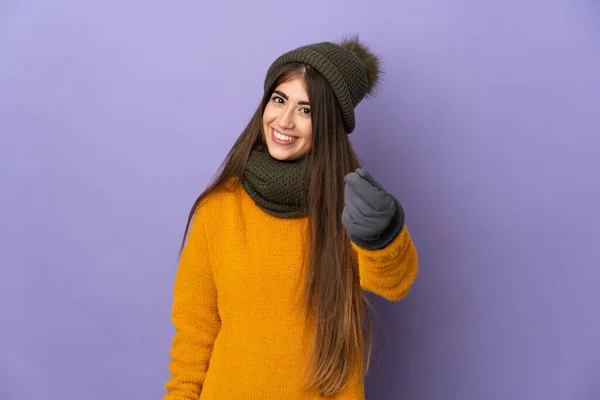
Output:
[[372, 217]]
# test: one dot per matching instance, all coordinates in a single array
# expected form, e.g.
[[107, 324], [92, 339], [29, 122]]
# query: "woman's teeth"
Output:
[[283, 137]]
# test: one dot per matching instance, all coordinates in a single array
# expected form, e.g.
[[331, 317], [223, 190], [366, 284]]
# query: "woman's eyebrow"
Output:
[[303, 103]]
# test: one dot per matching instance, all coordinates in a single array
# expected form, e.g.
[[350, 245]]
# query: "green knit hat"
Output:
[[350, 67]]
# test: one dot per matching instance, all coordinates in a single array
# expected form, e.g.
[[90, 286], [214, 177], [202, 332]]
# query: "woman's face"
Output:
[[287, 123]]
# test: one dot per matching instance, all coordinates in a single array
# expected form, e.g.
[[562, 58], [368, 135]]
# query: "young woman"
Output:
[[269, 298]]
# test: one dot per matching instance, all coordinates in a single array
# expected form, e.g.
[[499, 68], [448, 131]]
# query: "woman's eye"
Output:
[[278, 99], [306, 110]]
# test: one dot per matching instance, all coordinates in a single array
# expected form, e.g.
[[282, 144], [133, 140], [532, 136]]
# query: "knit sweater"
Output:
[[238, 306]]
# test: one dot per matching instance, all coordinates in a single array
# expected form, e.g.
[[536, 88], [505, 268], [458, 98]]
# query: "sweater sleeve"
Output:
[[389, 272], [195, 317]]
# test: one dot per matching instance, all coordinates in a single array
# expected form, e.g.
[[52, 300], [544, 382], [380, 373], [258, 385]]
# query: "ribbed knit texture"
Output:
[[342, 68], [278, 187], [238, 307]]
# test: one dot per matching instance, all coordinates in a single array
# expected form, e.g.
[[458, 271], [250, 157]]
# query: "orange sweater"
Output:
[[238, 310]]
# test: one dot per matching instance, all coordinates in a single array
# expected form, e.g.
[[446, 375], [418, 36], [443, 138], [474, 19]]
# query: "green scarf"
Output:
[[280, 188]]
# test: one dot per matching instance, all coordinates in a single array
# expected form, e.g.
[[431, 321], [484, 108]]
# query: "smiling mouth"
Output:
[[281, 138]]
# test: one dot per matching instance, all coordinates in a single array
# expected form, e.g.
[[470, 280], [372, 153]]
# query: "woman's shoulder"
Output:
[[222, 196]]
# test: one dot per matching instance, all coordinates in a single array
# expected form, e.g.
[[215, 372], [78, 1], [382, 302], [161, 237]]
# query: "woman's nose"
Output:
[[285, 120]]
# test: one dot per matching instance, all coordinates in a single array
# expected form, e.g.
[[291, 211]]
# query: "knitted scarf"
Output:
[[280, 188]]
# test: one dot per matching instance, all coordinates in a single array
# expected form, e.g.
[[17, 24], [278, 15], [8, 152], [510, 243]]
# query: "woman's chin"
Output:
[[281, 154]]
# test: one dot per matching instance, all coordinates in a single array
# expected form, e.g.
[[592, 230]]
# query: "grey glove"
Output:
[[372, 217]]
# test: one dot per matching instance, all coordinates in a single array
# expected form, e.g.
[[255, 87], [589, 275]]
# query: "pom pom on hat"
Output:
[[370, 61]]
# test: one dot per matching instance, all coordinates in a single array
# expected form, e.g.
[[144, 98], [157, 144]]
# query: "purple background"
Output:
[[114, 115]]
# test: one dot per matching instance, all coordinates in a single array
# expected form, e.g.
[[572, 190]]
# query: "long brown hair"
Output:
[[332, 293]]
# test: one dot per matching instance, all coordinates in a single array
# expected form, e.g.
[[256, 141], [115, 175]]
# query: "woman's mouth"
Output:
[[281, 139]]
